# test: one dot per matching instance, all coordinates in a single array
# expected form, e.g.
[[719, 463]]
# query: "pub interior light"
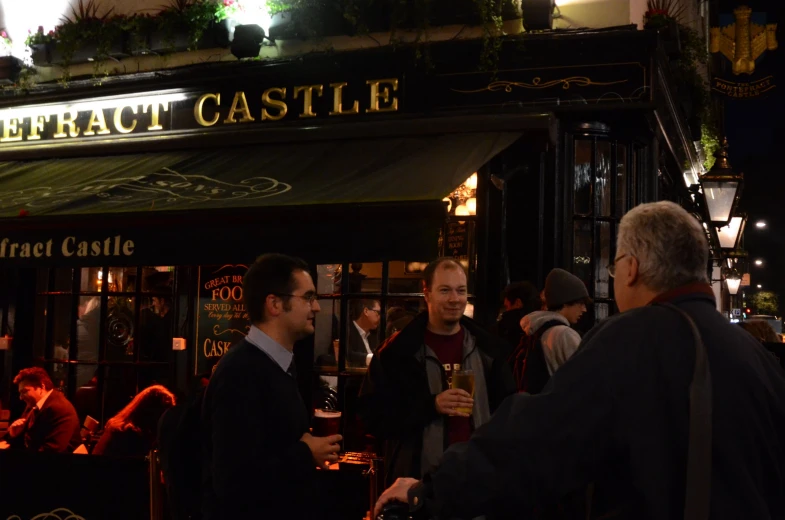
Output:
[[462, 210], [471, 182], [471, 205]]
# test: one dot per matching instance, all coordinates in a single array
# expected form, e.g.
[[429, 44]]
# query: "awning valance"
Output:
[[324, 172]]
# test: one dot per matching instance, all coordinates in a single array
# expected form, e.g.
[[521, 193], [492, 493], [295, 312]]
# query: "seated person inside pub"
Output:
[[49, 422]]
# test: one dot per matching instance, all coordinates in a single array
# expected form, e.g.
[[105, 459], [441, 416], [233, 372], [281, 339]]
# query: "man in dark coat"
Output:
[[49, 422], [259, 458], [406, 399], [520, 299], [617, 414]]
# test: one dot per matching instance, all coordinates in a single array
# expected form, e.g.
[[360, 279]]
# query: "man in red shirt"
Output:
[[406, 399]]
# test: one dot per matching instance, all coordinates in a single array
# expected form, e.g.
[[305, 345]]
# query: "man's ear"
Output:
[[633, 272], [273, 305]]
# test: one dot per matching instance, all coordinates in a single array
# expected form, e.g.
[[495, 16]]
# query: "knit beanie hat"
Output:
[[562, 287]]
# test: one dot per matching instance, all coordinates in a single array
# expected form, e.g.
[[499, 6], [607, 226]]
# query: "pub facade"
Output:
[[130, 211]]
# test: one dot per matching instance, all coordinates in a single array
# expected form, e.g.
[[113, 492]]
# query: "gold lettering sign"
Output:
[[148, 112], [110, 247]]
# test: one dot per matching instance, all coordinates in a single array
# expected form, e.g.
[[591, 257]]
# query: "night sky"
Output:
[[756, 133]]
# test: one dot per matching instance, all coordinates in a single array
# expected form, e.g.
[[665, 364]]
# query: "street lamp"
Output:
[[759, 262], [760, 224], [734, 281], [721, 188], [729, 235]]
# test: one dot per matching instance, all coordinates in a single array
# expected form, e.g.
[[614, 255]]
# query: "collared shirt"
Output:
[[272, 348], [40, 403], [365, 335]]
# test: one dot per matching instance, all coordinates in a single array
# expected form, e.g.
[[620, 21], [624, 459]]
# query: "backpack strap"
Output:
[[697, 500], [534, 373]]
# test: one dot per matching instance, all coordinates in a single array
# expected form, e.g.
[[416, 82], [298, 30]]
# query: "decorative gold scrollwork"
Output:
[[58, 514], [538, 84]]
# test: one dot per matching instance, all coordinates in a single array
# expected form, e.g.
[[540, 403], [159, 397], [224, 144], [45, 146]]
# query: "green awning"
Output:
[[324, 172]]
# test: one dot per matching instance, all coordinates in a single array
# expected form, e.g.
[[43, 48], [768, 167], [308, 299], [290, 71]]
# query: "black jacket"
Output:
[[396, 403], [54, 430], [254, 464], [616, 414], [356, 353], [509, 326]]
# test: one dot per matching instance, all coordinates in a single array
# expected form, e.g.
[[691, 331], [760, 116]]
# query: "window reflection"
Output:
[[406, 277], [326, 335], [601, 276], [582, 177], [328, 279], [122, 279], [603, 179], [157, 279], [365, 278], [120, 328], [91, 279], [621, 180], [582, 250]]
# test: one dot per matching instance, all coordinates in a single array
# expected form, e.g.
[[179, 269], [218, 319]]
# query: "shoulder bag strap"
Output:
[[697, 502]]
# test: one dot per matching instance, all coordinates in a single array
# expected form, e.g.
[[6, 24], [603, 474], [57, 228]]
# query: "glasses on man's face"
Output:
[[612, 267], [377, 311], [308, 297]]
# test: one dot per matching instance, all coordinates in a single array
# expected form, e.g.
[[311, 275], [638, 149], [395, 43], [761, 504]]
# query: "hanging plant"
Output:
[[5, 44], [192, 19]]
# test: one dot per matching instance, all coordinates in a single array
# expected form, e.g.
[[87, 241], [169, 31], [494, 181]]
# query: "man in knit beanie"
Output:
[[551, 341]]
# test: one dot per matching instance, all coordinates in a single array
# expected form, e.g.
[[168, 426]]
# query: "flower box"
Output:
[[41, 54]]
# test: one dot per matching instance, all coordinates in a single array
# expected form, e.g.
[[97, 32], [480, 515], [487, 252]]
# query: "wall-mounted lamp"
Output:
[[247, 41]]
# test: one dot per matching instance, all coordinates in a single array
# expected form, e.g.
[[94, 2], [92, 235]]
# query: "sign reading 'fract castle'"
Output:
[[178, 111]]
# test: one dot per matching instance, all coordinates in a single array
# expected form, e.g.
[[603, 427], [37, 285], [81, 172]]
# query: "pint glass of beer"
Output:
[[326, 422], [464, 380]]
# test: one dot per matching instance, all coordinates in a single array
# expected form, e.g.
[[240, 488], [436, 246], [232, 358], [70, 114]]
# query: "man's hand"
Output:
[[449, 400], [323, 449], [398, 492], [17, 427]]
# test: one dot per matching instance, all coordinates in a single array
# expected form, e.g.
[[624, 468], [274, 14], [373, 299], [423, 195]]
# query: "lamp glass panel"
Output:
[[719, 199], [733, 284], [729, 234]]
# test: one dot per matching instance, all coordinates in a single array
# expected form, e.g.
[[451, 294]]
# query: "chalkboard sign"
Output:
[[221, 317]]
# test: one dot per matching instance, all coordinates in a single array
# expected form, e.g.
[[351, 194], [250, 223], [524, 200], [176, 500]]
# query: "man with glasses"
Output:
[[669, 409], [259, 459], [366, 315]]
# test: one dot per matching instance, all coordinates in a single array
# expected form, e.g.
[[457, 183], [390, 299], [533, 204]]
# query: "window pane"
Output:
[[119, 388], [603, 180], [157, 279], [621, 180], [399, 313], [92, 278], [88, 323], [362, 336], [119, 329], [61, 331], [87, 400], [582, 250], [156, 331], [601, 276], [42, 280], [122, 279], [328, 279], [63, 279], [59, 377], [601, 311], [406, 277], [326, 335], [583, 177], [365, 277], [39, 333]]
